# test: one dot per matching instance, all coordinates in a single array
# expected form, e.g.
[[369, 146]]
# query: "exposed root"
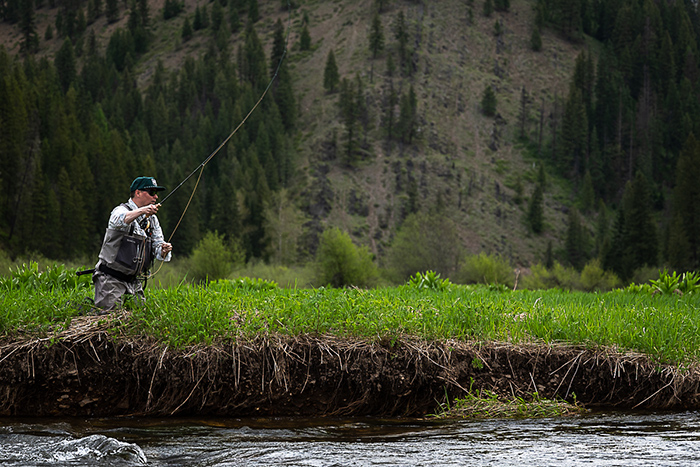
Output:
[[91, 369]]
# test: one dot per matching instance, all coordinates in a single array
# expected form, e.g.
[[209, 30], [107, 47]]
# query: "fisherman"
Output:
[[133, 238]]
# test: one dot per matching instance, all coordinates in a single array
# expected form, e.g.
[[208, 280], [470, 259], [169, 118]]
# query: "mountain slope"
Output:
[[461, 160]]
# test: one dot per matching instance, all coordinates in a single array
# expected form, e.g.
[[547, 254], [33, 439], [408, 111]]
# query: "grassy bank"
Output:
[[665, 326]]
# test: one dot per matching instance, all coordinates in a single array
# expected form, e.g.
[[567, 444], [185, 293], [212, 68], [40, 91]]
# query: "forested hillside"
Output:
[[540, 131]]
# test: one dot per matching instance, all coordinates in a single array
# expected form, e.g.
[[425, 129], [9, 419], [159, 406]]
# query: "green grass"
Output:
[[664, 326], [481, 404]]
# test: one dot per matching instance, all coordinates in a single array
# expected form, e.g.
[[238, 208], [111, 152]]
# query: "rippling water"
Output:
[[596, 440]]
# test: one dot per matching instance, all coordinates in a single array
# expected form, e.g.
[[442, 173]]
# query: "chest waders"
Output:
[[127, 255]]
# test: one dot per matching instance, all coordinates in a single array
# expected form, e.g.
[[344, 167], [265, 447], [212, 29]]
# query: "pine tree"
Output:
[[331, 77], [408, 109], [501, 5], [488, 102], [401, 35], [65, 64], [524, 115], [575, 240], [347, 103], [488, 8], [376, 39], [536, 39], [254, 68], [217, 16], [186, 30], [587, 195], [234, 19], [111, 11], [686, 206], [278, 46], [574, 134], [305, 39], [284, 97], [641, 239], [253, 11], [30, 40], [198, 22], [535, 217]]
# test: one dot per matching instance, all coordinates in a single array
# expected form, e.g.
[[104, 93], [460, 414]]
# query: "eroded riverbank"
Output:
[[91, 369]]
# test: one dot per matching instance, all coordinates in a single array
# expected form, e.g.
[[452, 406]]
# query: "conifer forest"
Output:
[[541, 131]]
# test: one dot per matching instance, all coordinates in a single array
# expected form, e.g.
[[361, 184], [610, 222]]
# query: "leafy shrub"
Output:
[[340, 263], [486, 269], [593, 277], [429, 280], [669, 283], [212, 259], [558, 277], [425, 242]]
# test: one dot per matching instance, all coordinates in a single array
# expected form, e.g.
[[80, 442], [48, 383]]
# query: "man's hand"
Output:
[[165, 248], [150, 210]]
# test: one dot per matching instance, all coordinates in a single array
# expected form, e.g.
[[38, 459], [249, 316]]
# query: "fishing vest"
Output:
[[128, 253]]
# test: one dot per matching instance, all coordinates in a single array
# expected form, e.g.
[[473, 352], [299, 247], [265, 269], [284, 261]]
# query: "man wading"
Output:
[[132, 240]]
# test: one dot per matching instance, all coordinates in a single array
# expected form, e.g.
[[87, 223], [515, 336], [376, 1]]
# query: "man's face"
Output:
[[145, 197]]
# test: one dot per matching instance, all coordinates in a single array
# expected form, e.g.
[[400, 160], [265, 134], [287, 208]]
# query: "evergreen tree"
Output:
[[535, 215], [401, 36], [389, 116], [686, 207], [524, 115], [587, 195], [254, 66], [574, 134], [234, 19], [186, 30], [549, 256], [331, 77], [501, 5], [198, 22], [284, 97], [30, 40], [253, 11], [217, 16], [305, 39], [376, 39], [65, 64], [278, 46], [488, 8], [111, 11], [639, 240], [575, 240], [408, 113], [536, 39], [488, 102], [347, 102]]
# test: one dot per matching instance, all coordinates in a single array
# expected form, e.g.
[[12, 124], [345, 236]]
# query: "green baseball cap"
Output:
[[145, 183]]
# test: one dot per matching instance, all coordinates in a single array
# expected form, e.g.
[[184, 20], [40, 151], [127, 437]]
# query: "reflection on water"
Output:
[[600, 440]]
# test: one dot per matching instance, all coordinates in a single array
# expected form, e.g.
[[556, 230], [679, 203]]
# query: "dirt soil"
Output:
[[91, 370]]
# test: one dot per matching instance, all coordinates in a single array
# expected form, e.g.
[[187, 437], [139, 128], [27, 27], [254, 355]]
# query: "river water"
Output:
[[604, 439]]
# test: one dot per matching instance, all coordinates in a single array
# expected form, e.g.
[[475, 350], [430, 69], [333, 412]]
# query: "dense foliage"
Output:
[[75, 136], [76, 129]]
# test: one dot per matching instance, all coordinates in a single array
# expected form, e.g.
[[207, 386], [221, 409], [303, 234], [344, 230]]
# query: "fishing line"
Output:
[[201, 166], [262, 96]]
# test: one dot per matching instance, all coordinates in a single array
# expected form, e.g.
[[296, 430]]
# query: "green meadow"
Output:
[[637, 318]]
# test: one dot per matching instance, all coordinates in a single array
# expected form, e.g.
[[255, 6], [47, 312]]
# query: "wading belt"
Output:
[[116, 274]]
